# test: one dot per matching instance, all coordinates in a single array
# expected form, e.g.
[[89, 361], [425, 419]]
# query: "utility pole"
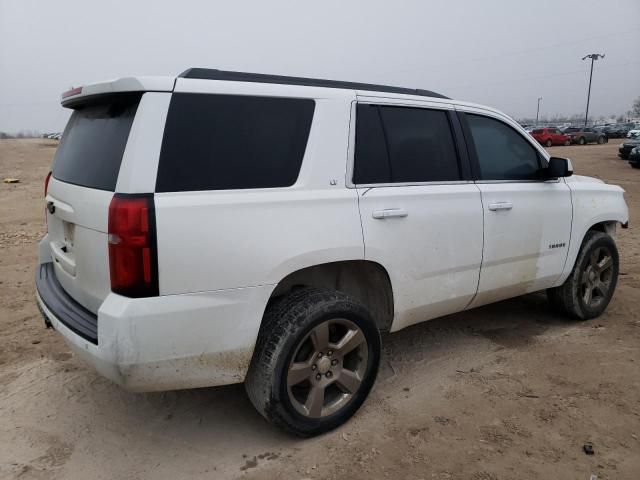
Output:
[[593, 57], [538, 110]]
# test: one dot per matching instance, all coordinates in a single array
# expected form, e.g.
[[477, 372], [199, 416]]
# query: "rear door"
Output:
[[421, 216], [527, 220], [84, 176]]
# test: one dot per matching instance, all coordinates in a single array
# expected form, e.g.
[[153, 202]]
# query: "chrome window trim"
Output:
[[389, 102], [413, 184], [553, 180]]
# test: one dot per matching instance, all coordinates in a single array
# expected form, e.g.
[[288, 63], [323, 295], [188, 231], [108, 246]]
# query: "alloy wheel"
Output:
[[327, 368], [596, 277]]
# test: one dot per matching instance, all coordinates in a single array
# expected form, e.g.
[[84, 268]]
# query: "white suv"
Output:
[[222, 227]]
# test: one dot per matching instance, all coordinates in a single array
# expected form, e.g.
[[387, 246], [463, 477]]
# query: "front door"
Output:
[[527, 221]]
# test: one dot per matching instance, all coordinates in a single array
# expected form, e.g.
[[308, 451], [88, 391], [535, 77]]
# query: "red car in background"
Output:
[[550, 136]]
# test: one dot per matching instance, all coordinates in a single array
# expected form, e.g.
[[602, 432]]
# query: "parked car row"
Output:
[[630, 150], [549, 136], [584, 135], [53, 136], [616, 130], [567, 135]]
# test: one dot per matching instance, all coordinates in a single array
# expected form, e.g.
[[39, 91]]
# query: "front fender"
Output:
[[594, 202]]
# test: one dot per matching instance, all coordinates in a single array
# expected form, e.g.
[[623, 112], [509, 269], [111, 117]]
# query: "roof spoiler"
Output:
[[75, 96]]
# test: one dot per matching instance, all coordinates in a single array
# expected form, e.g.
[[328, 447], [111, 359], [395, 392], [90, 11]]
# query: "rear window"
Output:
[[93, 142], [222, 142]]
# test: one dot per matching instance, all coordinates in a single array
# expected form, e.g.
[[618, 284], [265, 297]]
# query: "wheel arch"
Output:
[[606, 224], [364, 280]]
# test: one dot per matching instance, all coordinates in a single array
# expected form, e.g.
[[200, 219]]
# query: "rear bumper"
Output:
[[168, 342], [67, 311]]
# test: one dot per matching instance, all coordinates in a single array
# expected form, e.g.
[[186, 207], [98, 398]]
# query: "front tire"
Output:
[[590, 286], [548, 143], [315, 361], [582, 141]]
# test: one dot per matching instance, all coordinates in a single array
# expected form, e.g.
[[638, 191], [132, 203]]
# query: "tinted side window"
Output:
[[220, 142], [503, 154], [416, 144], [371, 163], [94, 140], [420, 144]]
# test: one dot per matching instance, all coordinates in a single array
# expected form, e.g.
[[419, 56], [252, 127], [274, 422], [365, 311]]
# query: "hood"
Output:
[[582, 179], [590, 183]]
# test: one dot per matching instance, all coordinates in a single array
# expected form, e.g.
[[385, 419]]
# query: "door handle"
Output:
[[390, 212], [500, 206]]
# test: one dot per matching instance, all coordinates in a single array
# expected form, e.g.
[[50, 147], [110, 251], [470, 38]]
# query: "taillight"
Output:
[[133, 257], [46, 183]]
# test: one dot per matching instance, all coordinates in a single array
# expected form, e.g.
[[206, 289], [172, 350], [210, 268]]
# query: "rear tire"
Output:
[[634, 165], [548, 143], [582, 141], [588, 290], [301, 378], [600, 140]]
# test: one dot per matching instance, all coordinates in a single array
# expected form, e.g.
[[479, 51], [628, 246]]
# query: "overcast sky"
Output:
[[502, 53]]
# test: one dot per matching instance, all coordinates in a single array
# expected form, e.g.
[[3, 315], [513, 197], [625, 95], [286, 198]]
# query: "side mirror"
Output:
[[559, 167]]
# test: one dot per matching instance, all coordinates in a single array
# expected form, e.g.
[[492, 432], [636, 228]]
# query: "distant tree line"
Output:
[[578, 118], [20, 134]]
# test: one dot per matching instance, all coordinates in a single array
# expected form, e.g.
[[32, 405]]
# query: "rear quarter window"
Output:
[[222, 142], [93, 142]]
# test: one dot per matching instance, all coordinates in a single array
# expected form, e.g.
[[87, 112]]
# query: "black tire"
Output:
[[600, 140], [582, 141], [548, 143], [567, 143], [286, 325], [569, 298], [634, 165]]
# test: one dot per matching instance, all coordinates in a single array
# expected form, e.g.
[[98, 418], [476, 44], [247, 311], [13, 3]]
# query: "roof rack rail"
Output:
[[214, 74]]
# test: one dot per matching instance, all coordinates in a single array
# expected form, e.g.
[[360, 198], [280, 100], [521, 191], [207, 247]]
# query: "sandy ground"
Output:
[[508, 391]]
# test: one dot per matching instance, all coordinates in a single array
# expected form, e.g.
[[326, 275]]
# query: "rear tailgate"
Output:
[[84, 176]]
